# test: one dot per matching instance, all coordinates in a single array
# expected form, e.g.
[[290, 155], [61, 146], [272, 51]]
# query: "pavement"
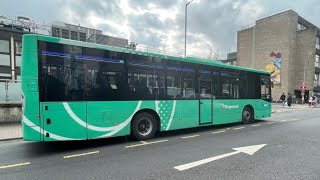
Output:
[[10, 131], [277, 107], [14, 131]]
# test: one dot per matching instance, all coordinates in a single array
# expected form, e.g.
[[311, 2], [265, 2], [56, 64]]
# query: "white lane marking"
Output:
[[255, 125], [247, 149], [14, 165], [270, 122], [238, 128], [217, 132], [82, 154], [283, 120], [143, 143], [186, 137]]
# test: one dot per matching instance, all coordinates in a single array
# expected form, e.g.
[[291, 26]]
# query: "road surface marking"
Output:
[[82, 154], [248, 150], [270, 122], [217, 132], [14, 165], [143, 143], [255, 125], [186, 137], [283, 120], [238, 128]]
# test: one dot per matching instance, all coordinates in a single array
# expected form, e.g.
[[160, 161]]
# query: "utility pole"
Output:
[[185, 28]]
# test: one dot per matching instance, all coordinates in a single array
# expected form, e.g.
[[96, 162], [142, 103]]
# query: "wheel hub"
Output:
[[144, 126]]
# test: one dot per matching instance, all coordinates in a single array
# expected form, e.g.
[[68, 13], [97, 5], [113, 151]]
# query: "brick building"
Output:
[[286, 45]]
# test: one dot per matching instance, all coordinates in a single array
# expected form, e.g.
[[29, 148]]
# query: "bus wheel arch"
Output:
[[247, 114], [144, 124]]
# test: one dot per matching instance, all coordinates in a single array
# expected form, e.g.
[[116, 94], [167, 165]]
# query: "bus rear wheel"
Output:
[[143, 126], [247, 115]]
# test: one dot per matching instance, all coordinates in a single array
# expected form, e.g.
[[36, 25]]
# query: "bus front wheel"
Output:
[[143, 126], [247, 115]]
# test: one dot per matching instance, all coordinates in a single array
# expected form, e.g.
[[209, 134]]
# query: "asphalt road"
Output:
[[291, 152]]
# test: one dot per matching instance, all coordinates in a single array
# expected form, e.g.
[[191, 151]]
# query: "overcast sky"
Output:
[[212, 24]]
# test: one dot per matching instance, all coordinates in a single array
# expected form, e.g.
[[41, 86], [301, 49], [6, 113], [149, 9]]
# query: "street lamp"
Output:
[[185, 29]]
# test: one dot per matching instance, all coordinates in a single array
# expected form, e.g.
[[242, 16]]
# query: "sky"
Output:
[[212, 25]]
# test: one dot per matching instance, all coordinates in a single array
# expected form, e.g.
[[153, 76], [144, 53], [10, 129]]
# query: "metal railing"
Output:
[[10, 91]]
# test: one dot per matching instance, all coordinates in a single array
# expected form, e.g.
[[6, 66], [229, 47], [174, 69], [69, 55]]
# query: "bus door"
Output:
[[205, 101]]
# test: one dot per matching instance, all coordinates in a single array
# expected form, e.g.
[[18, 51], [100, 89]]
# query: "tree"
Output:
[[213, 54]]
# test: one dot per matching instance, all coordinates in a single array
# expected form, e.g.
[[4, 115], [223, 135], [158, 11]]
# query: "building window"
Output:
[[18, 61], [316, 80], [4, 46], [65, 34], [316, 64], [301, 27], [5, 76], [18, 48], [318, 42], [74, 35], [4, 60], [55, 32], [83, 37]]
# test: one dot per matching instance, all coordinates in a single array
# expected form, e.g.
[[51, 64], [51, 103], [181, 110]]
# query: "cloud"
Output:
[[160, 23]]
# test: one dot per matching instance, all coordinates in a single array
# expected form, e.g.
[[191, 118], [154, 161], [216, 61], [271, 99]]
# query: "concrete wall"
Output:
[[244, 47], [272, 35], [10, 113], [306, 41]]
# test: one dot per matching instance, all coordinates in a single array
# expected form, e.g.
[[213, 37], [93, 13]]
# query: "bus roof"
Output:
[[126, 50]]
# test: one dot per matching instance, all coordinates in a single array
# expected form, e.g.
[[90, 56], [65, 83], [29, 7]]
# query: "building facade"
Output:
[[231, 59], [74, 32], [286, 45], [11, 32]]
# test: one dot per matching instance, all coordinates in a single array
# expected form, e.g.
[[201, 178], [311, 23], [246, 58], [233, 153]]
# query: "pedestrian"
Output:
[[283, 99], [314, 101], [310, 101], [289, 99]]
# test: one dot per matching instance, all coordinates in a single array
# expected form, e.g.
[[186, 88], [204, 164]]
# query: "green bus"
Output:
[[75, 90]]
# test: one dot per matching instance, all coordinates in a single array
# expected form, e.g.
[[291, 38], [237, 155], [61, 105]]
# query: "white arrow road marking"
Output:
[[247, 149], [270, 122]]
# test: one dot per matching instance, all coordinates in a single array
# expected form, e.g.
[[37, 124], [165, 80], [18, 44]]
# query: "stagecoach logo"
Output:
[[223, 106]]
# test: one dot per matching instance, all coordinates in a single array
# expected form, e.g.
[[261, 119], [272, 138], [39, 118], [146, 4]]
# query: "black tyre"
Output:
[[247, 115], [143, 126]]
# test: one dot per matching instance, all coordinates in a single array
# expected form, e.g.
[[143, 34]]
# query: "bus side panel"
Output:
[[262, 109], [29, 85], [226, 111], [64, 121], [112, 118], [178, 114], [30, 114]]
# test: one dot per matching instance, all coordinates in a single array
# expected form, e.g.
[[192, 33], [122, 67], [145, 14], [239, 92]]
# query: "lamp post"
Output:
[[185, 29]]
